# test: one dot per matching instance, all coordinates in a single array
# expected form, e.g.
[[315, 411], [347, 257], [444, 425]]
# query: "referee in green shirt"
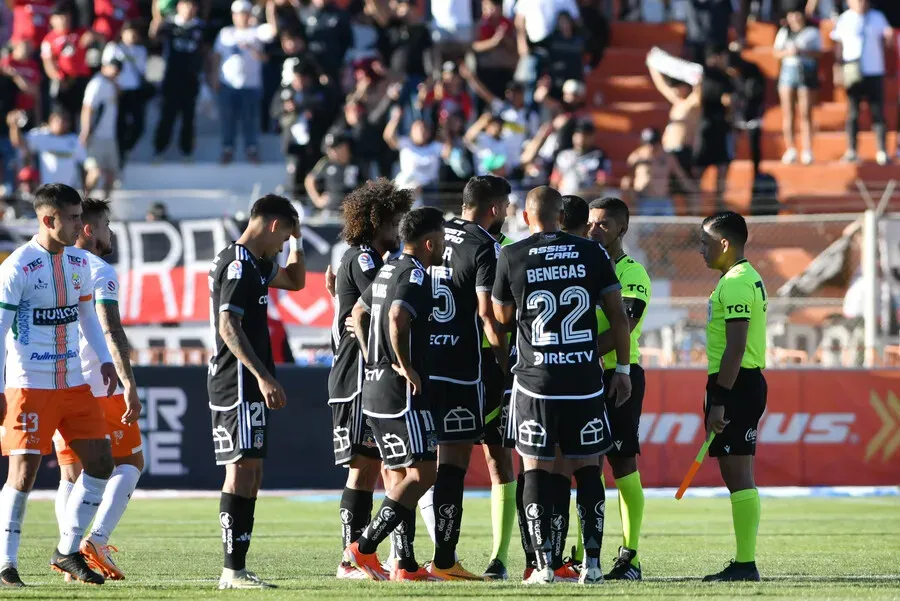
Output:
[[736, 389]]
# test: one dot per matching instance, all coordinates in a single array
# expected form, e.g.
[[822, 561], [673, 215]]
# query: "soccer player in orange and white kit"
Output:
[[120, 410], [44, 300]]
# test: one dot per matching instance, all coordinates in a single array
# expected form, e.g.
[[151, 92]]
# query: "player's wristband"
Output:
[[295, 245], [623, 369], [720, 395]]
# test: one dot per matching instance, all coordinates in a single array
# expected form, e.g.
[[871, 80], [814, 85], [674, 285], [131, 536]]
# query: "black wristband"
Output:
[[720, 395]]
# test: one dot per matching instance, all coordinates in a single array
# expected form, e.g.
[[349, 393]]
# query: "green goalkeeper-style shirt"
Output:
[[503, 240], [740, 294], [635, 286]]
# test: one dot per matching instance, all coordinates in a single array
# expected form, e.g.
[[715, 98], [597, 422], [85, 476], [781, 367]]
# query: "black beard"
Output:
[[495, 228]]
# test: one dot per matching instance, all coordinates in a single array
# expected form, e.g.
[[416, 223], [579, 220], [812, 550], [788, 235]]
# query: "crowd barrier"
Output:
[[821, 427]]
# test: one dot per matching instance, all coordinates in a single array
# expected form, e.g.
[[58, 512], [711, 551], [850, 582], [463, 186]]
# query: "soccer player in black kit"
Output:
[[241, 380], [461, 286], [550, 284], [391, 323], [371, 223]]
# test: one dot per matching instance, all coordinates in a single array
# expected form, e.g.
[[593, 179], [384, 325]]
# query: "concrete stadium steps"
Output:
[[634, 115], [827, 146]]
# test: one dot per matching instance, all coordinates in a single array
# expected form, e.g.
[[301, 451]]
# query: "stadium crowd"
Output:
[[427, 93]]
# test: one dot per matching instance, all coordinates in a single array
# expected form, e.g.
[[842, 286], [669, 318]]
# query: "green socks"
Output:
[[745, 510], [503, 518], [631, 510]]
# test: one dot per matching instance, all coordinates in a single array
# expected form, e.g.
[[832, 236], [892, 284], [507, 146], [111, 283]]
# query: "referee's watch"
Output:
[[623, 369]]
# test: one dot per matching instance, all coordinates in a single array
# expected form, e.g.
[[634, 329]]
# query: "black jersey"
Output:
[[555, 280], [182, 44], [402, 282], [469, 266], [356, 271], [239, 282]]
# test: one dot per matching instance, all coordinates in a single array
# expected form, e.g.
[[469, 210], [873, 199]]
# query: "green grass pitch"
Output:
[[808, 549]]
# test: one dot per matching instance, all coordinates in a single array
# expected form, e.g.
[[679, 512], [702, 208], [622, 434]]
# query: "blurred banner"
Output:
[[163, 268], [822, 427]]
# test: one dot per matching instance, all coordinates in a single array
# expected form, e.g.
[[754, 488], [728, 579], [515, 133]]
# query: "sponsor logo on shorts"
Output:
[[449, 511], [33, 266], [618, 444], [592, 432], [222, 440], [750, 436], [532, 434], [341, 439], [259, 439], [394, 446], [69, 354], [346, 516], [459, 419], [728, 448], [533, 511], [55, 316]]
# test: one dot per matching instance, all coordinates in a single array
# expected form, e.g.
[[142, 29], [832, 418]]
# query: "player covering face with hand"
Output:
[[241, 381], [736, 390]]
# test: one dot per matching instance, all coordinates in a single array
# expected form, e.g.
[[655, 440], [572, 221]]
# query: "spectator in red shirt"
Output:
[[31, 20], [447, 96], [495, 48], [63, 52], [110, 15], [26, 74]]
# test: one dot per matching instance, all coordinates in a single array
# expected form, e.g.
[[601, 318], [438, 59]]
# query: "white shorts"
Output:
[[102, 154]]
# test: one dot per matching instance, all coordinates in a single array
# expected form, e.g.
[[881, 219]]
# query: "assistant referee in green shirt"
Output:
[[736, 389]]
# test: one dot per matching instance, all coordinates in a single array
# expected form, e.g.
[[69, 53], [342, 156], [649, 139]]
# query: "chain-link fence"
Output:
[[806, 316]]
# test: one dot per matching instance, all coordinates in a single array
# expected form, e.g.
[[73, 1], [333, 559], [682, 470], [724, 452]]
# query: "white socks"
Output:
[[118, 492], [84, 501], [426, 508], [12, 514], [62, 497]]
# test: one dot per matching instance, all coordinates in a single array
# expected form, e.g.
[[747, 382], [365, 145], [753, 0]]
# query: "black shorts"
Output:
[[743, 412], [405, 440], [496, 407], [240, 432], [458, 410], [715, 145], [625, 421], [578, 426], [352, 435]]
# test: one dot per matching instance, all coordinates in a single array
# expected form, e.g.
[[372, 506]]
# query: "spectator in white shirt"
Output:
[[133, 93], [452, 29], [420, 155], [861, 34], [238, 57], [57, 150], [99, 115], [535, 21]]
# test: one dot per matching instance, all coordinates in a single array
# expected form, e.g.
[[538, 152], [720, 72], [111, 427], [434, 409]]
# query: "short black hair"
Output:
[[56, 196], [272, 206], [482, 190], [419, 223], [544, 202], [575, 213], [614, 206], [729, 225], [93, 208]]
